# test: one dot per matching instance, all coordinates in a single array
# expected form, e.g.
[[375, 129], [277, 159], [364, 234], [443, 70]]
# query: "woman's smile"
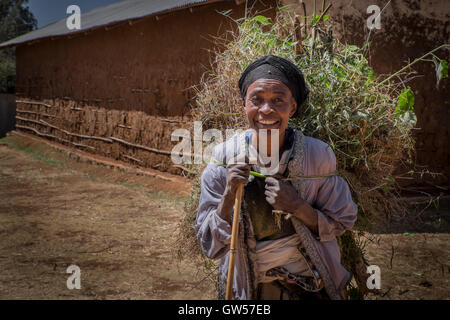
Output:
[[267, 124]]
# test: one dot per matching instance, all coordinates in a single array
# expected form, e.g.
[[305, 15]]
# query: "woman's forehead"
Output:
[[268, 85]]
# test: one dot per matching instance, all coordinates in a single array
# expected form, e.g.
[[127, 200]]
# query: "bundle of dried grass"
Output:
[[368, 123]]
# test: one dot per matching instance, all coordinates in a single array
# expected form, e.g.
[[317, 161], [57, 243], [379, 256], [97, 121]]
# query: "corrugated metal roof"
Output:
[[116, 12]]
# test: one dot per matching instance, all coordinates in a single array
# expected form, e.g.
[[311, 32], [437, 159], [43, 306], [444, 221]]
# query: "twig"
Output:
[[392, 254], [314, 10], [32, 112], [183, 168], [306, 20], [141, 147], [125, 127], [386, 292], [412, 63], [131, 158], [77, 135], [35, 102], [314, 27], [97, 251]]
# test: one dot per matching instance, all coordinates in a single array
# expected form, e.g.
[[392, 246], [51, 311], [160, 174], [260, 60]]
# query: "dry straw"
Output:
[[368, 123]]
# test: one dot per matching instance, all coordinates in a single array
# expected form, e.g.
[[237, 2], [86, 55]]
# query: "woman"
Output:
[[296, 258]]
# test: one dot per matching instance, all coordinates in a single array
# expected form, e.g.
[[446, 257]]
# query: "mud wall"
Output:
[[146, 66], [7, 113], [409, 29], [121, 91], [130, 136]]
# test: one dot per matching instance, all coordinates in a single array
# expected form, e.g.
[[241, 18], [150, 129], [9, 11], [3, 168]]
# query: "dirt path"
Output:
[[119, 229], [412, 265]]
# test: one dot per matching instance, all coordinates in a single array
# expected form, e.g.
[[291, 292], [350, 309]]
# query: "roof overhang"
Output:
[[128, 11]]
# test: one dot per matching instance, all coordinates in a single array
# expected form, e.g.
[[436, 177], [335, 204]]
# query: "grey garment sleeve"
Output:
[[333, 202], [336, 210], [213, 232]]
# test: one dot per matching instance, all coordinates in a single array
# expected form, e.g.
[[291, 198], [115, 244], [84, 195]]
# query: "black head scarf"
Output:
[[274, 67]]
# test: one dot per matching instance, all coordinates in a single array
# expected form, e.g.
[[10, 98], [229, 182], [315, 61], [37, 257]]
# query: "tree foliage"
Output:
[[15, 20]]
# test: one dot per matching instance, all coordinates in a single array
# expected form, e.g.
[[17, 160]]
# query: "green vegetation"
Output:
[[33, 153], [15, 20]]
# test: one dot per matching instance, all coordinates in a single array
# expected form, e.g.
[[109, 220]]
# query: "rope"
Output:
[[292, 178]]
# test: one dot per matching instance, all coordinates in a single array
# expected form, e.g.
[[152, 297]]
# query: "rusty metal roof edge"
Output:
[[16, 41]]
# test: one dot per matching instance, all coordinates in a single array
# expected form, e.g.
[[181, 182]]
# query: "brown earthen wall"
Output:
[[147, 66], [121, 92], [129, 136]]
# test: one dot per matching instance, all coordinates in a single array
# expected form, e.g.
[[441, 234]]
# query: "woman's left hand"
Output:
[[282, 195]]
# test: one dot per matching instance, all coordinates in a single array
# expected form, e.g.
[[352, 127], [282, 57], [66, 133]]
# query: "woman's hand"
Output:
[[237, 174], [282, 195]]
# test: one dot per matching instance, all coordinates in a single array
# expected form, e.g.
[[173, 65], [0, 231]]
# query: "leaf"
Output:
[[351, 48], [409, 234], [338, 73], [326, 17], [405, 108], [405, 102], [370, 75], [263, 20], [441, 70]]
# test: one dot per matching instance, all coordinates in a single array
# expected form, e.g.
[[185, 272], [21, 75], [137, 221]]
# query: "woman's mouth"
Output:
[[267, 124]]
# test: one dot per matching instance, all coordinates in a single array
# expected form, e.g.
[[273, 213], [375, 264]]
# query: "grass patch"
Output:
[[30, 151]]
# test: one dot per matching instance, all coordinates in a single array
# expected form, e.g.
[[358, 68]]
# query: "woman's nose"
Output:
[[266, 108]]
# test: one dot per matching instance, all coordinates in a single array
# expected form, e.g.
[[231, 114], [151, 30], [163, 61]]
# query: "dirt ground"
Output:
[[117, 227], [120, 228]]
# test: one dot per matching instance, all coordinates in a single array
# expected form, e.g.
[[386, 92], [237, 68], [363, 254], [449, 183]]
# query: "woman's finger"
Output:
[[269, 193], [271, 181]]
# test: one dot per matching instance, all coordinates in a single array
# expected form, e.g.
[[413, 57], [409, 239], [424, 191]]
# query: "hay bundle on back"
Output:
[[366, 122]]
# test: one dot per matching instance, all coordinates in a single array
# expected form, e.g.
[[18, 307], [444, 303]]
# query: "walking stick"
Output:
[[234, 242]]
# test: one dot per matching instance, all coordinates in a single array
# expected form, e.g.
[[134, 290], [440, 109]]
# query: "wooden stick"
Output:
[[234, 242], [75, 134], [28, 120], [305, 21], [141, 147], [133, 159], [32, 112], [34, 102]]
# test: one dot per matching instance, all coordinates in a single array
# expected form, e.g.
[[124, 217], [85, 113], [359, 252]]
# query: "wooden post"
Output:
[[234, 242]]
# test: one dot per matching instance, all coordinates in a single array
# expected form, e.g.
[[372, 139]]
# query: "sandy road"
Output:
[[117, 227]]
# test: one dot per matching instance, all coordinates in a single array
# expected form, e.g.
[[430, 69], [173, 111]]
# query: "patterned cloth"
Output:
[[330, 197]]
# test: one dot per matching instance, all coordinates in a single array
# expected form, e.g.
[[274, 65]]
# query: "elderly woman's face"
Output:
[[269, 104]]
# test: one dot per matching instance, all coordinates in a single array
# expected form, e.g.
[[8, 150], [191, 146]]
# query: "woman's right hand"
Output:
[[237, 173]]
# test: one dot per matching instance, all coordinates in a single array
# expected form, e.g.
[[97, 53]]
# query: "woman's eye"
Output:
[[277, 100], [256, 100]]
